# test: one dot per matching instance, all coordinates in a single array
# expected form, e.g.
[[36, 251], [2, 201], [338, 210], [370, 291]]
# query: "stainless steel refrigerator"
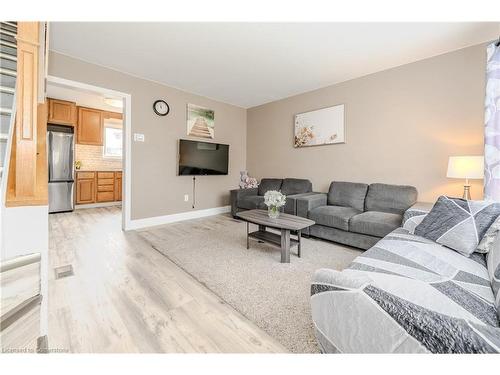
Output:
[[60, 144]]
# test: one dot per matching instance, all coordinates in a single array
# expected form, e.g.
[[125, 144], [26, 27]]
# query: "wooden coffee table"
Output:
[[284, 222]]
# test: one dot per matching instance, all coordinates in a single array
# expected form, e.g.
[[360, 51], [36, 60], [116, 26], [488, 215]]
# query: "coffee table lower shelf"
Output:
[[285, 223], [271, 238]]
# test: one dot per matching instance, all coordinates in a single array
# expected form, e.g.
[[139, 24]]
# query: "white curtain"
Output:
[[492, 125]]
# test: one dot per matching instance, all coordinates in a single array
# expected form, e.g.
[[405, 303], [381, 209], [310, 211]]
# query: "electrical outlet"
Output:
[[138, 137], [186, 198]]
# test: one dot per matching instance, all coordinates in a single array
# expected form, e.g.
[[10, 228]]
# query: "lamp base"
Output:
[[466, 192]]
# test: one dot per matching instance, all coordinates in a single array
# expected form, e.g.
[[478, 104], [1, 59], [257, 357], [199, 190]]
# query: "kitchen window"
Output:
[[113, 141]]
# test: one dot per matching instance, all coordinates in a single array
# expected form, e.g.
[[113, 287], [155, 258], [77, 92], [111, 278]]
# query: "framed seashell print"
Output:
[[320, 127]]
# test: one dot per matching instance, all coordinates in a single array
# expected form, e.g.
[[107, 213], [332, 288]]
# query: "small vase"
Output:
[[273, 212]]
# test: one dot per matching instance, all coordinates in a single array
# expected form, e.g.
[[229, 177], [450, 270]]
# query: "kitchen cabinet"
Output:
[[98, 186], [118, 186], [62, 112], [113, 115], [89, 126], [85, 187], [105, 187]]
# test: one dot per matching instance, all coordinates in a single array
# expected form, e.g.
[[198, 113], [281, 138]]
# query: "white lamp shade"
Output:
[[466, 167]]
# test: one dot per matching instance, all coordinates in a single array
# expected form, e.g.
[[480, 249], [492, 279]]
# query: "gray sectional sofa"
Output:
[[356, 214], [423, 296], [250, 199]]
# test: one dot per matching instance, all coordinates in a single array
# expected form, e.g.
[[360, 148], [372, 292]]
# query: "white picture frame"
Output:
[[323, 126]]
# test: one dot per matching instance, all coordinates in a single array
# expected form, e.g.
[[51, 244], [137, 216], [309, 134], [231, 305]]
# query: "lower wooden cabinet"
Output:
[[85, 190], [118, 186], [105, 196], [105, 187], [98, 187]]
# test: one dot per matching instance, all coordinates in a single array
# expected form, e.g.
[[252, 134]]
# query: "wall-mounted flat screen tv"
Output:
[[202, 158]]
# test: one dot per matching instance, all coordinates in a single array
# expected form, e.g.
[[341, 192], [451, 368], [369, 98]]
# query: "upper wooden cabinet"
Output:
[[114, 115], [62, 112], [90, 126]]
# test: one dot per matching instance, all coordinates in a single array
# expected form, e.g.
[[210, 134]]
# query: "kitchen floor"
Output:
[[121, 295]]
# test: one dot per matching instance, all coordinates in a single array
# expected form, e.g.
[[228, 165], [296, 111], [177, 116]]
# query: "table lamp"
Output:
[[468, 167]]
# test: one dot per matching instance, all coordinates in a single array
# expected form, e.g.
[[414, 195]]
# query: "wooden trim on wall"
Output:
[[27, 180]]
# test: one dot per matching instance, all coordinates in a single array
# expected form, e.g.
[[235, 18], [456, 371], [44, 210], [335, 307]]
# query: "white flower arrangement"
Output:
[[274, 200]]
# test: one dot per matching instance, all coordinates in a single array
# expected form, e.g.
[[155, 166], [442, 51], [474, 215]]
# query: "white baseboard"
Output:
[[166, 219]]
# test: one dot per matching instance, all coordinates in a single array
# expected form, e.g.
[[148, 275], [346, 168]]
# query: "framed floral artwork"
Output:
[[320, 127]]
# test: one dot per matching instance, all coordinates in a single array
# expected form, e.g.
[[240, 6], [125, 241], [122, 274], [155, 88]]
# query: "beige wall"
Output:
[[156, 189], [401, 126]]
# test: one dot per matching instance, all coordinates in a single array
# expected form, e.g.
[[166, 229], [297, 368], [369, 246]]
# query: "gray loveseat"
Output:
[[356, 214], [249, 199]]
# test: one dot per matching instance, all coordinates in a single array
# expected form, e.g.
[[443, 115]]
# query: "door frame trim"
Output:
[[127, 139]]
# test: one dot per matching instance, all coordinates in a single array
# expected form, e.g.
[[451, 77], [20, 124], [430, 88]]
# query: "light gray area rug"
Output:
[[273, 295]]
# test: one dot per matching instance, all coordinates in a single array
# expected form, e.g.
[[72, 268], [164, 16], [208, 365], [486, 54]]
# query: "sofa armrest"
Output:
[[422, 206], [338, 308], [291, 202], [237, 194], [415, 214], [306, 204], [339, 280]]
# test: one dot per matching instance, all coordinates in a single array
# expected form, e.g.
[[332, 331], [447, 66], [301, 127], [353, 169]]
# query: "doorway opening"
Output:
[[89, 144]]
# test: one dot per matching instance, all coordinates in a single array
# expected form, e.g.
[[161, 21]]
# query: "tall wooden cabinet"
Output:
[[90, 126]]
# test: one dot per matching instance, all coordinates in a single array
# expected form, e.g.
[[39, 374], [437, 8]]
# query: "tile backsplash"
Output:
[[92, 158]]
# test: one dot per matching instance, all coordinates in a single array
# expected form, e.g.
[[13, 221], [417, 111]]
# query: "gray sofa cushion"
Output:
[[291, 186], [333, 216], [267, 184], [375, 223], [395, 199], [361, 241], [347, 194], [251, 202]]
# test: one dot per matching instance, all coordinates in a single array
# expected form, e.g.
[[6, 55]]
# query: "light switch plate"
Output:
[[138, 137], [186, 198]]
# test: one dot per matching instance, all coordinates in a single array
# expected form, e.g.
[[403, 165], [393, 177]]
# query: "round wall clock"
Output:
[[161, 108]]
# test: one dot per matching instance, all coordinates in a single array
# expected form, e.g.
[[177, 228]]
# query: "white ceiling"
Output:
[[248, 64]]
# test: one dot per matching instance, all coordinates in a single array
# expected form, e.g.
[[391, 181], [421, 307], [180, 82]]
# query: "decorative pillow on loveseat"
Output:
[[493, 263], [489, 237], [458, 223]]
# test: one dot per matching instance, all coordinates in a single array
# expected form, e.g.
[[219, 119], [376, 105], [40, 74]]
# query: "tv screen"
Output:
[[202, 158]]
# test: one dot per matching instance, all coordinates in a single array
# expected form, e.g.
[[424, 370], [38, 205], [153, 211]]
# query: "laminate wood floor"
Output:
[[125, 296]]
